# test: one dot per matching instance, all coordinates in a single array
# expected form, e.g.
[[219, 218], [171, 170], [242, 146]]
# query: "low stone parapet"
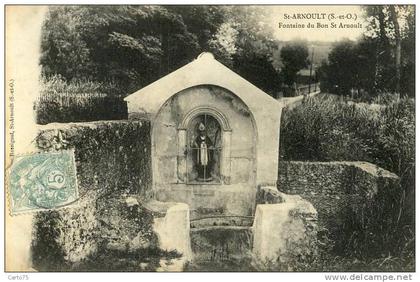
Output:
[[284, 230], [173, 230], [345, 194], [112, 163]]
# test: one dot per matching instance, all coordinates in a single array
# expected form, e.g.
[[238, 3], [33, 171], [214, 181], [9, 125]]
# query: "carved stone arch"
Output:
[[224, 123], [225, 138]]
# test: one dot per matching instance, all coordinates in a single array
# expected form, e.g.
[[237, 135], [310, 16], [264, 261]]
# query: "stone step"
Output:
[[222, 220]]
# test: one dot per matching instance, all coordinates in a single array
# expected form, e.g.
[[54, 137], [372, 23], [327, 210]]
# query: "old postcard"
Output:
[[210, 138]]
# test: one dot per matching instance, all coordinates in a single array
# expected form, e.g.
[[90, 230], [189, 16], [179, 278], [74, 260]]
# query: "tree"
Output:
[[294, 57], [408, 51], [377, 29], [203, 21], [341, 68], [255, 45], [223, 43], [350, 66], [392, 27], [397, 33], [133, 46], [63, 50], [129, 45], [380, 60]]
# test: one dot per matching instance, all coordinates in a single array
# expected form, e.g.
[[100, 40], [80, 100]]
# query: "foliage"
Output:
[[63, 49], [380, 61], [223, 43], [327, 128], [46, 252], [147, 260], [351, 66], [133, 46], [393, 28], [294, 57], [255, 47], [129, 45], [250, 64], [78, 100], [330, 263]]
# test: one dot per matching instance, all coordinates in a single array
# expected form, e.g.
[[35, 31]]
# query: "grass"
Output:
[[331, 128], [113, 260]]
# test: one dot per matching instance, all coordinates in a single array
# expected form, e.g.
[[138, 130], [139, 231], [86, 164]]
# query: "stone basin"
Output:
[[221, 243]]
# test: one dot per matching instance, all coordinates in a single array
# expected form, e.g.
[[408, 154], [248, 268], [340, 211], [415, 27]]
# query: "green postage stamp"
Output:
[[43, 181]]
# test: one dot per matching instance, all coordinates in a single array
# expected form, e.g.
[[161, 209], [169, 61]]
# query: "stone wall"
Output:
[[343, 193], [110, 155], [113, 162], [284, 230]]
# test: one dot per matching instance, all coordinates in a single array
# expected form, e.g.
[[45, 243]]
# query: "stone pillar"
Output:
[[173, 230], [285, 230]]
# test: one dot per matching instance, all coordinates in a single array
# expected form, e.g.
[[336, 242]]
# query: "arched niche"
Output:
[[218, 132]]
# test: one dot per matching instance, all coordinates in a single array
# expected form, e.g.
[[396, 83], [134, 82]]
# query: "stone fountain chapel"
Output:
[[215, 137], [214, 142], [215, 147]]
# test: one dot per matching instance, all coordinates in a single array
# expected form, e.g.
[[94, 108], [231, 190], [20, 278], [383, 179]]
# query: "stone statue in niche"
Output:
[[203, 155]]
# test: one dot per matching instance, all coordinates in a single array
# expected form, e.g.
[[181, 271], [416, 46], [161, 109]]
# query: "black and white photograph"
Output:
[[210, 138]]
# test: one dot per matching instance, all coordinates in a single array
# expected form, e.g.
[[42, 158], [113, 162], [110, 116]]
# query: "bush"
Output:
[[327, 128], [74, 101]]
